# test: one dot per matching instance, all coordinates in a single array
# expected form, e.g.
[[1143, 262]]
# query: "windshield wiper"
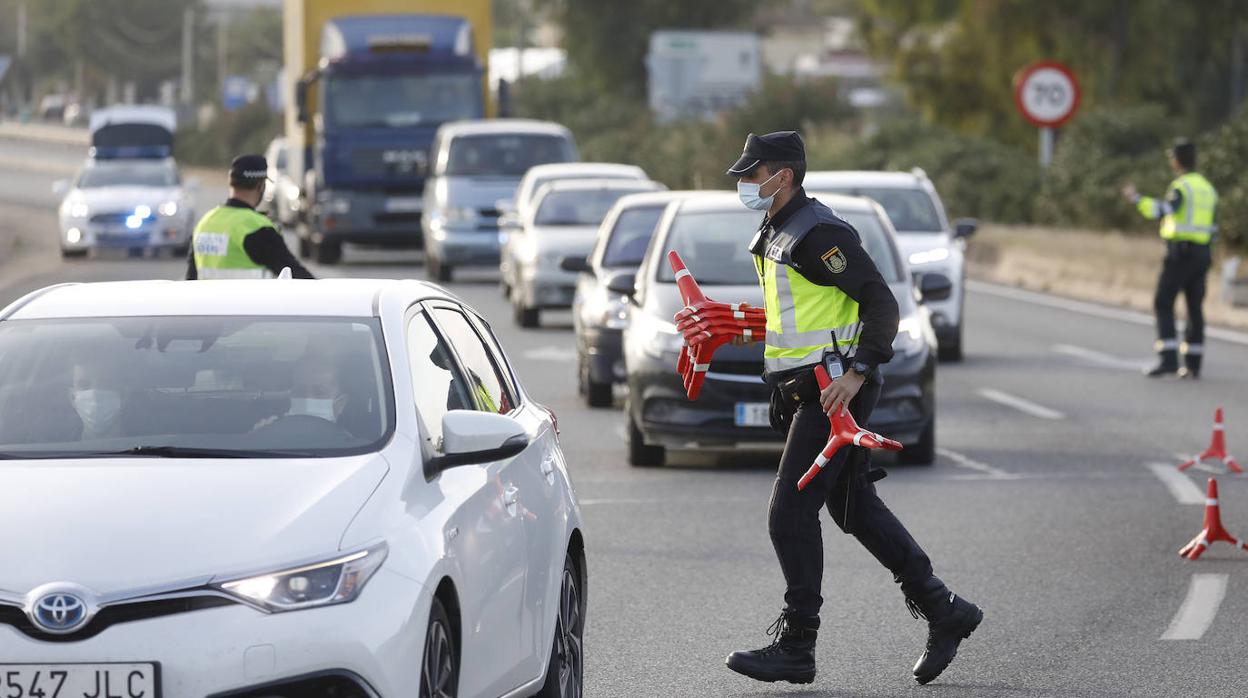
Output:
[[192, 452]]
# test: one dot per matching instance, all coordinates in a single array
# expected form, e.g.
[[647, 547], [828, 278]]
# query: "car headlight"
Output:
[[615, 313], [78, 209], [335, 581], [939, 254], [461, 215], [168, 208], [909, 339], [663, 339]]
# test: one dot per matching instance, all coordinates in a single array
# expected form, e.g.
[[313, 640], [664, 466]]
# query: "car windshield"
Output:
[[229, 386], [910, 210], [504, 154], [129, 175], [577, 206], [536, 185], [400, 101], [630, 236], [715, 246]]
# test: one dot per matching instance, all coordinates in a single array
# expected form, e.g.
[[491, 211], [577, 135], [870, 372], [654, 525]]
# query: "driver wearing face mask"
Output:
[[95, 394], [315, 392]]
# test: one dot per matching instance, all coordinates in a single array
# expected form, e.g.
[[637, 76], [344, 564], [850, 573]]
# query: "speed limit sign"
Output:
[[1046, 93]]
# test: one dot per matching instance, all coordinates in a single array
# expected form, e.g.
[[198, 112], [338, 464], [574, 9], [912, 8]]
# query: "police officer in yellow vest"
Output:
[[827, 302], [234, 241], [1187, 226]]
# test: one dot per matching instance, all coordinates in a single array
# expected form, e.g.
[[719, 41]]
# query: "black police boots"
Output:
[[950, 620], [1191, 366], [1167, 364], [790, 657]]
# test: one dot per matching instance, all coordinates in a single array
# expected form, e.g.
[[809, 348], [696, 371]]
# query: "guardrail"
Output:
[[45, 133]]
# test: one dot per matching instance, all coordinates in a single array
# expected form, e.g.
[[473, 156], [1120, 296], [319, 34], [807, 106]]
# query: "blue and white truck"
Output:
[[375, 79]]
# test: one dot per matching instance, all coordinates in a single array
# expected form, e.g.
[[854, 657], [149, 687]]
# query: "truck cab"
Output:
[[385, 84]]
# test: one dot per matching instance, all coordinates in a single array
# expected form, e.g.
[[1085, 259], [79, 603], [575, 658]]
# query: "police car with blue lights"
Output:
[[128, 195]]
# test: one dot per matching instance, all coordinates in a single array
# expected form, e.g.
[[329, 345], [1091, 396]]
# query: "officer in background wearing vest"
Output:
[[825, 299], [234, 241], [1187, 226]]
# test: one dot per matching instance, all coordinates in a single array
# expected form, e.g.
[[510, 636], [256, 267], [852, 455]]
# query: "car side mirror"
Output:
[[60, 187], [934, 286], [470, 436], [575, 264], [624, 284], [965, 227]]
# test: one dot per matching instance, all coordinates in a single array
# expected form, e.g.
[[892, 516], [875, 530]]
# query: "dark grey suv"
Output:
[[711, 232]]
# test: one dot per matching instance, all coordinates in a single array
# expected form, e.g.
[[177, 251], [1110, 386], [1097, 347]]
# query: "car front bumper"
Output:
[[603, 349], [544, 285], [476, 247], [161, 233], [666, 417], [374, 642]]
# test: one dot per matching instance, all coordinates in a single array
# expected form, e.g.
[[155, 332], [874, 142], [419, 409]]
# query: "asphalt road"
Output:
[[1042, 507]]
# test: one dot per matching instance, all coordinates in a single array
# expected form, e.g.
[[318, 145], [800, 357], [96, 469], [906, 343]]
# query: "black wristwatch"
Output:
[[861, 368]]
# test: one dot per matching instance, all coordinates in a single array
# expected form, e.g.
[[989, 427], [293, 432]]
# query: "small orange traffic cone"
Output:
[[1213, 530], [1217, 448]]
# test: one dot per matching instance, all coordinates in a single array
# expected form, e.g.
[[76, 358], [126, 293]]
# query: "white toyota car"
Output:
[[278, 488]]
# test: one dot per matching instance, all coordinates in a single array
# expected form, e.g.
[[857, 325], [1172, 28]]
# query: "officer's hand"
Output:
[[840, 391], [1129, 192]]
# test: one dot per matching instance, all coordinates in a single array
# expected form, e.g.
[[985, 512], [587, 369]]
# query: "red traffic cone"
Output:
[[1213, 530], [845, 431], [690, 293], [1217, 448]]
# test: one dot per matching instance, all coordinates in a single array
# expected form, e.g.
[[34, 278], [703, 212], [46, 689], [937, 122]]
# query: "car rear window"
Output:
[[910, 210], [714, 245], [262, 386], [128, 175]]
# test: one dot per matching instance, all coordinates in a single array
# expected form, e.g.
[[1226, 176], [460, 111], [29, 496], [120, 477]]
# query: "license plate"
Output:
[[403, 204], [79, 680], [753, 414]]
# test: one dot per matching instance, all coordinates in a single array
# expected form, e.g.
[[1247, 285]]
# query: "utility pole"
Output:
[[21, 30], [222, 51], [187, 93]]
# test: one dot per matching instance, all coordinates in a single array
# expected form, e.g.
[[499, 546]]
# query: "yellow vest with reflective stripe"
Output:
[[218, 244], [1194, 220], [801, 315]]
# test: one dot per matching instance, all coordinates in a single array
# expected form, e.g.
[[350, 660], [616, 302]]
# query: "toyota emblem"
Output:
[[59, 612]]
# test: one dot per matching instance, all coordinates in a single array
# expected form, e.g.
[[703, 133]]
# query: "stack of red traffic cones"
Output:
[[708, 325], [1217, 448], [845, 431], [1213, 530]]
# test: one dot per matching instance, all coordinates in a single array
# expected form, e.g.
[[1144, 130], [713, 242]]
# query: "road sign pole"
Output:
[[1046, 146]]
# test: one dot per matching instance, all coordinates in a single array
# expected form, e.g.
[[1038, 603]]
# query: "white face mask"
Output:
[[749, 193], [313, 407], [98, 409]]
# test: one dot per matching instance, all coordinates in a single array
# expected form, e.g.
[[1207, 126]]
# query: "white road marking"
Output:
[[1099, 358], [964, 461], [1020, 404], [1204, 596], [1181, 486], [1132, 316], [551, 352]]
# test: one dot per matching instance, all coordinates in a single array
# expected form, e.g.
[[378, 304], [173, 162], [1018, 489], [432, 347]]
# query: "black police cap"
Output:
[[249, 168], [781, 146]]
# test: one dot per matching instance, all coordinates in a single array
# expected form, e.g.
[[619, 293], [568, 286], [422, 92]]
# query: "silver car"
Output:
[[129, 204], [927, 239], [563, 222], [475, 165], [281, 196]]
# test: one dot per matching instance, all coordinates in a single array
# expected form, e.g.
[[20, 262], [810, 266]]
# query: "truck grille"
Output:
[[389, 162]]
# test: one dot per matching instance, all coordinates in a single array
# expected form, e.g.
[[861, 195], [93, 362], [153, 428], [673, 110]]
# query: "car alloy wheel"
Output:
[[438, 675], [565, 675]]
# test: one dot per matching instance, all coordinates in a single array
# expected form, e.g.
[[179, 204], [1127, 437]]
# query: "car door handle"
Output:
[[511, 498], [548, 468]]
